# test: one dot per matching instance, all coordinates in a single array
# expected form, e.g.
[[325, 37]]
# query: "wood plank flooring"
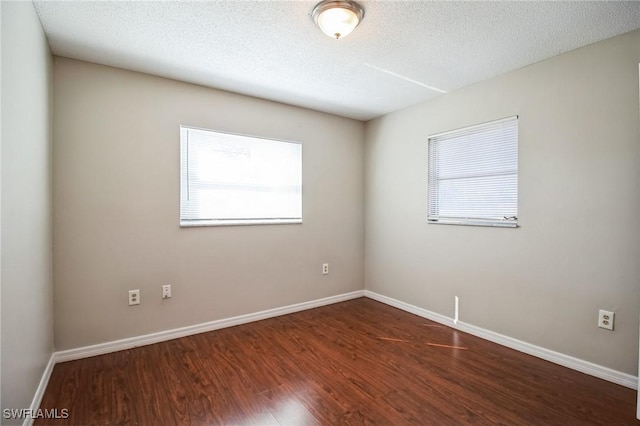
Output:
[[352, 363]]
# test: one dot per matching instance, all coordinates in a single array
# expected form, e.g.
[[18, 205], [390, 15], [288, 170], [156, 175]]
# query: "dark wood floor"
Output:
[[357, 362]]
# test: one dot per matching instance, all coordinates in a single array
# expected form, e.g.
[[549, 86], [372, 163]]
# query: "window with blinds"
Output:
[[228, 179], [473, 175]]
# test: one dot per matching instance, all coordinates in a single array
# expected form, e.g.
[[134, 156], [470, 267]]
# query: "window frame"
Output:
[[188, 223], [433, 184]]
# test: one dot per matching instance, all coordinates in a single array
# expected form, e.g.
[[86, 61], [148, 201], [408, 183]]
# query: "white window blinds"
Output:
[[228, 179], [473, 175]]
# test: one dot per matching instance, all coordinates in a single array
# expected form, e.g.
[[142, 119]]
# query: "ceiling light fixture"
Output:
[[337, 18]]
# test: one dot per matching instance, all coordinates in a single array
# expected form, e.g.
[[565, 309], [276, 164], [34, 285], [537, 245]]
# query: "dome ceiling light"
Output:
[[337, 19]]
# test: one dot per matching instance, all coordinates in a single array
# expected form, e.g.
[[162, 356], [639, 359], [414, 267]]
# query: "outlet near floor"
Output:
[[605, 319], [166, 291], [325, 269], [134, 297]]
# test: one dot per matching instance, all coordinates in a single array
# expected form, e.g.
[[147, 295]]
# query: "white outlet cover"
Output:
[[605, 319], [134, 297], [166, 291]]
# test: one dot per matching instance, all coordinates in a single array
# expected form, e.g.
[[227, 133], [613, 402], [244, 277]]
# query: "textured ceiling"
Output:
[[404, 52]]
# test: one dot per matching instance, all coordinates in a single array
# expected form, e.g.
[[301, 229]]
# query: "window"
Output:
[[473, 175], [228, 179]]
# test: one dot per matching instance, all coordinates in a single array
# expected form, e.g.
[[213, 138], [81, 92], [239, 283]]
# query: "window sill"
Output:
[[237, 222], [473, 223]]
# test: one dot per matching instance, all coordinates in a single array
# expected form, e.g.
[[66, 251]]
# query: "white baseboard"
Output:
[[577, 364], [148, 339], [42, 386]]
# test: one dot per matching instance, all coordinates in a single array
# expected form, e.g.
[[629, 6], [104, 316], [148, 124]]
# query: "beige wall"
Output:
[[27, 301], [116, 208], [578, 246]]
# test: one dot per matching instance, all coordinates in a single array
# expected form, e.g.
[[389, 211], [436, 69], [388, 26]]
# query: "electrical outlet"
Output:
[[134, 297], [166, 291], [605, 319], [325, 269]]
